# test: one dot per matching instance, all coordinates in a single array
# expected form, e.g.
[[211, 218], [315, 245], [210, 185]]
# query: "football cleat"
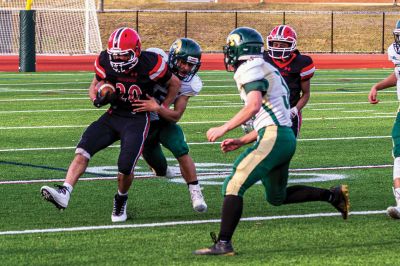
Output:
[[59, 197], [223, 248], [198, 203], [119, 209], [393, 212], [341, 200]]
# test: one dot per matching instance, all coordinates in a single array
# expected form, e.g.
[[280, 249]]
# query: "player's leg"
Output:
[[251, 166], [95, 138], [152, 152], [394, 211], [173, 138], [133, 134]]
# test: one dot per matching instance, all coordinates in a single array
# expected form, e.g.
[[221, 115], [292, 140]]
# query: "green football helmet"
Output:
[[242, 44], [396, 34], [188, 51]]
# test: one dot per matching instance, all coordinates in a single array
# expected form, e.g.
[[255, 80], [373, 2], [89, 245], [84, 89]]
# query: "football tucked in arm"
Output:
[[103, 87], [106, 94]]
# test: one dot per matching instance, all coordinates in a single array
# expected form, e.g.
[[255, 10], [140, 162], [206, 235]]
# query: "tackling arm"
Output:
[[173, 86], [175, 114]]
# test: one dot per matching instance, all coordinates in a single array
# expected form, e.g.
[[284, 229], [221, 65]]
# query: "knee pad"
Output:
[[83, 152], [277, 201], [396, 168]]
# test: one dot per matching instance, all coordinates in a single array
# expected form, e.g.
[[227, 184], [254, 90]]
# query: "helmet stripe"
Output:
[[281, 29], [117, 37]]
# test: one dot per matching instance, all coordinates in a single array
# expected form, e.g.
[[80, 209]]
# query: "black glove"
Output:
[[101, 101], [112, 98]]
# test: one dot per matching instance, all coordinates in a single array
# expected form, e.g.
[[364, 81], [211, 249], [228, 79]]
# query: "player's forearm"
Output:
[[389, 81], [92, 89], [169, 114], [303, 101], [249, 138], [174, 85], [241, 117]]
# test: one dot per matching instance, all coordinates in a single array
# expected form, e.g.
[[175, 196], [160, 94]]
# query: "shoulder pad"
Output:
[[252, 70], [393, 55], [158, 51], [305, 59], [191, 88]]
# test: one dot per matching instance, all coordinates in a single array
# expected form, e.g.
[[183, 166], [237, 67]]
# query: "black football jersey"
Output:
[[150, 70], [299, 67]]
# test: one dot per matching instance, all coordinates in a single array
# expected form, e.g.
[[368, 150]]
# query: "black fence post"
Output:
[[383, 33], [186, 23], [332, 32], [284, 18], [137, 21], [236, 19]]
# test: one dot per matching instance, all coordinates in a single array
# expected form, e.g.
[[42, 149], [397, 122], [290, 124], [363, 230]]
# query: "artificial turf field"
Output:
[[344, 140]]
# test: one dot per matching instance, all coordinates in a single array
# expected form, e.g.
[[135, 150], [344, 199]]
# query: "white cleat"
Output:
[[198, 203], [59, 197], [119, 209], [169, 173], [393, 212]]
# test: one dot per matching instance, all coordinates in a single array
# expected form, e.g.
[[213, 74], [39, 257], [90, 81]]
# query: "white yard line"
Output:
[[190, 143], [200, 175], [175, 223]]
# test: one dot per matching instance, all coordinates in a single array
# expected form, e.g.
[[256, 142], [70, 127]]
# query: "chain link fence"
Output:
[[318, 31]]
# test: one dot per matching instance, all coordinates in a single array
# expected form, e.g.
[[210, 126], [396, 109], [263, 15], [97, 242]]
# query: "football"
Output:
[[103, 87]]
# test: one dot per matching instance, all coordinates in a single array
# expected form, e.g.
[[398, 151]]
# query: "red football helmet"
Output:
[[124, 42], [281, 33]]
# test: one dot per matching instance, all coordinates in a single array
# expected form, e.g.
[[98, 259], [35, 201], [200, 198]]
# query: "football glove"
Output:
[[294, 112], [101, 100], [248, 126]]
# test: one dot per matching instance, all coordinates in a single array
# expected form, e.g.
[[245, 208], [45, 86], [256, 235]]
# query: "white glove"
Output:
[[248, 126], [294, 112]]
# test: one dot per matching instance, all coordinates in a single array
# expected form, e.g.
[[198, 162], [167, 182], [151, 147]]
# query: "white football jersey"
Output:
[[188, 88], [275, 106], [395, 58]]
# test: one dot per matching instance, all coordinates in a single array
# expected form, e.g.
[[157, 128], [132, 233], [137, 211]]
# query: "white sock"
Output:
[[194, 187], [69, 187], [122, 194], [396, 192]]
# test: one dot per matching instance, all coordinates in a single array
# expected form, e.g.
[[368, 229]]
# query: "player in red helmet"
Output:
[[134, 73], [297, 69]]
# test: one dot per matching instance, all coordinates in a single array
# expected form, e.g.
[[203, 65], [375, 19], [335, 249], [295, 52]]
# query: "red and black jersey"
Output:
[[299, 67], [135, 84]]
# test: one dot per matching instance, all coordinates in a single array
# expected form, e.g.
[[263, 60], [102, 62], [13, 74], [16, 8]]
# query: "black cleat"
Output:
[[341, 200], [219, 248]]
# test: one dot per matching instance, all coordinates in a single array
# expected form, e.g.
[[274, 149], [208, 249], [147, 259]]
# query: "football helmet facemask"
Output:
[[396, 34], [188, 51], [124, 48], [282, 33], [242, 44]]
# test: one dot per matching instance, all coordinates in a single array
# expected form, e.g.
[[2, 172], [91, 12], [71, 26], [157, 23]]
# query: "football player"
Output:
[[261, 87], [134, 73], [184, 61], [392, 80], [295, 68]]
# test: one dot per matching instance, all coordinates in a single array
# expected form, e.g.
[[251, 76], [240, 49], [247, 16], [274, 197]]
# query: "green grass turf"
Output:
[[338, 109]]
